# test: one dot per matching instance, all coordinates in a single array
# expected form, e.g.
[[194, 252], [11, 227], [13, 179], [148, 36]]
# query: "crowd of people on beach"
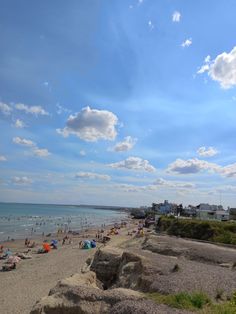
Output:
[[102, 236]]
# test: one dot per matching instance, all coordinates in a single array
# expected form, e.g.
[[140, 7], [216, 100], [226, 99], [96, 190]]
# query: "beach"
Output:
[[33, 278], [148, 263]]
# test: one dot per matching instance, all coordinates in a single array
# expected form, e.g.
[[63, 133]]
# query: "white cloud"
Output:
[[134, 163], [222, 69], [92, 175], [125, 145], [176, 16], [172, 184], [207, 151], [187, 43], [2, 158], [91, 125], [22, 180], [36, 110], [207, 59], [190, 166], [41, 152], [19, 124], [82, 153], [61, 109], [5, 109], [228, 171], [195, 165], [204, 68], [150, 25], [23, 141]]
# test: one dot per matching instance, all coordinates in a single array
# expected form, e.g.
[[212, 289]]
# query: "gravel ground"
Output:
[[193, 275]]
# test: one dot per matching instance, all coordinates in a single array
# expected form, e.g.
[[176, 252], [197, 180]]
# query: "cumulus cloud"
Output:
[[207, 151], [2, 158], [172, 184], [131, 188], [228, 171], [127, 144], [35, 110], [188, 42], [5, 109], [19, 124], [194, 165], [41, 152], [92, 175], [22, 180], [134, 163], [176, 16], [222, 69], [23, 141], [91, 125]]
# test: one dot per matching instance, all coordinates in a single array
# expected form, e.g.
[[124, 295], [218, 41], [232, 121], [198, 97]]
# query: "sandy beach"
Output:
[[33, 278]]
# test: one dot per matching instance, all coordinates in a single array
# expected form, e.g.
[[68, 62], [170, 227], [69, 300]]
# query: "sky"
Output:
[[118, 102]]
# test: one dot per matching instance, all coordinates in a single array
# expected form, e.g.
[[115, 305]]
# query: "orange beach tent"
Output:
[[46, 247]]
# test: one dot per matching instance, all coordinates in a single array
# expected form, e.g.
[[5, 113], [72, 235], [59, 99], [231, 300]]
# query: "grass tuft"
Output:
[[197, 301], [182, 300]]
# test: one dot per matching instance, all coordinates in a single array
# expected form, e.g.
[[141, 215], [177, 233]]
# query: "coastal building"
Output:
[[163, 208], [220, 215], [232, 213], [190, 211], [208, 207]]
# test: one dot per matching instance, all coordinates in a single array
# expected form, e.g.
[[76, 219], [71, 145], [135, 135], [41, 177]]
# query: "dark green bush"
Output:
[[222, 232]]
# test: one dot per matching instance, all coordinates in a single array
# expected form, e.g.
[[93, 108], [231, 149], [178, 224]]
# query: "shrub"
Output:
[[222, 232]]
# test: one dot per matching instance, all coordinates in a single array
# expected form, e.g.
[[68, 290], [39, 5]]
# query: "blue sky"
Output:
[[118, 102]]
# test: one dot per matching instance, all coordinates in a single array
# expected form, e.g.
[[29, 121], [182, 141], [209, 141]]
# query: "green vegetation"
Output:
[[182, 300], [197, 301], [215, 231]]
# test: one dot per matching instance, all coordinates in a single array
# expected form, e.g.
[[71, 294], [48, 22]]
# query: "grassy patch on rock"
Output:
[[182, 300]]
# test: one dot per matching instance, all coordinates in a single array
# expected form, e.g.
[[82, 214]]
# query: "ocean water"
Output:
[[28, 220]]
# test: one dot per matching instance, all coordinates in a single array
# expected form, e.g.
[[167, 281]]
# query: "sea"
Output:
[[18, 221]]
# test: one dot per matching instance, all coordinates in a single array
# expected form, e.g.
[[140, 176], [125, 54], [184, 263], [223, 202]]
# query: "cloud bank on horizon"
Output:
[[142, 103]]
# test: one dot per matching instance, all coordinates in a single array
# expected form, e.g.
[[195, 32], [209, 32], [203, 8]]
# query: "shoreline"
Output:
[[20, 226], [33, 278]]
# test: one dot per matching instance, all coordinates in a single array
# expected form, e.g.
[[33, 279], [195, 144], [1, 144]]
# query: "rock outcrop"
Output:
[[79, 294], [114, 281], [115, 268]]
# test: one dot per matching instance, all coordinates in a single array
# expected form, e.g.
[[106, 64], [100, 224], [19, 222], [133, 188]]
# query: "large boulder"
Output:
[[83, 299], [88, 280], [143, 307], [106, 263]]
